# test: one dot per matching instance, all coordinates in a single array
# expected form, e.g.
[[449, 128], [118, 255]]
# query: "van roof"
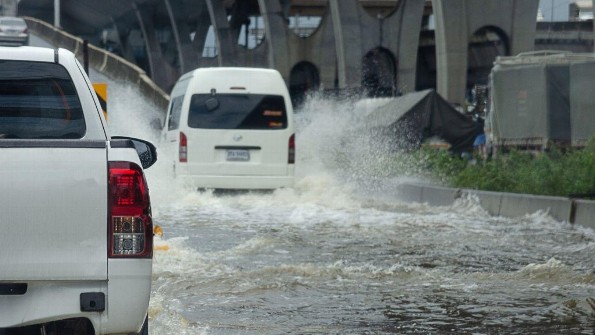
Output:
[[230, 71], [237, 80]]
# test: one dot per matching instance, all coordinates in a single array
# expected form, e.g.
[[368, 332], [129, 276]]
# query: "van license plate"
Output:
[[238, 155]]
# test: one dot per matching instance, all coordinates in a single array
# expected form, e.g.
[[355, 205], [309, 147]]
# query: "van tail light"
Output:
[[183, 148], [130, 225], [291, 155]]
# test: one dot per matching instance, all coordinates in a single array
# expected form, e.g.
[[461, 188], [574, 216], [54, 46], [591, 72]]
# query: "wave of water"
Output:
[[325, 251]]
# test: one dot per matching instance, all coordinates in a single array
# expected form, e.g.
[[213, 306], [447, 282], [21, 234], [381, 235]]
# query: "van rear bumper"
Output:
[[237, 182]]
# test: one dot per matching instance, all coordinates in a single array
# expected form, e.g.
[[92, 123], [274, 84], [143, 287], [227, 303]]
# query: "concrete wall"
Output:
[[585, 213], [458, 20], [113, 66], [580, 212]]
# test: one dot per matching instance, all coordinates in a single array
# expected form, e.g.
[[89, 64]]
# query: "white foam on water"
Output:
[[337, 163]]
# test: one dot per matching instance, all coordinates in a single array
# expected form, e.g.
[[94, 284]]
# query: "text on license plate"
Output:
[[238, 155]]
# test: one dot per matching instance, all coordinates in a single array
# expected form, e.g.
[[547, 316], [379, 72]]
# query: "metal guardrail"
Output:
[[113, 66]]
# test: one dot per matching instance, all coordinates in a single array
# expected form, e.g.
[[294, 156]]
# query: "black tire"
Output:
[[145, 329]]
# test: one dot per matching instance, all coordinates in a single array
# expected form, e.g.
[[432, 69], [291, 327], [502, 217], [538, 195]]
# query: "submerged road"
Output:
[[334, 256]]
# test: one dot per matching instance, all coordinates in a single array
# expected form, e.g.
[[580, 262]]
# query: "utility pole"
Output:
[[57, 13]]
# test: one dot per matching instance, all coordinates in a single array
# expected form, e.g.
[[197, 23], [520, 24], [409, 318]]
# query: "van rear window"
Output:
[[237, 111], [38, 101]]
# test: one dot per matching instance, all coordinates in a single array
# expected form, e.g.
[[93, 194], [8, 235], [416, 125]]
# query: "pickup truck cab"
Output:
[[75, 215]]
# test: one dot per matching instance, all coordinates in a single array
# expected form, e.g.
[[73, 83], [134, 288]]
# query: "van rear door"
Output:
[[238, 134]]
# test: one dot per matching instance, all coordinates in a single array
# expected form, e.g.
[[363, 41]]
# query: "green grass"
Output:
[[556, 173]]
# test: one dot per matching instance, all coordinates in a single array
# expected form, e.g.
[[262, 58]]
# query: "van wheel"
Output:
[[145, 329]]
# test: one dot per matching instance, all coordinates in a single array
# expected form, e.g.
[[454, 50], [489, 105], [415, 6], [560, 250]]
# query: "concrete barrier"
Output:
[[514, 205], [113, 66], [504, 204], [439, 196], [409, 192], [490, 201], [584, 213]]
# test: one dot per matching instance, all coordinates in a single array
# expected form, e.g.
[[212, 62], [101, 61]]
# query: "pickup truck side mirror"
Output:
[[147, 152]]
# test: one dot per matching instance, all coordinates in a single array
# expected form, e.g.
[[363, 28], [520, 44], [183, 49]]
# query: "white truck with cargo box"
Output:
[[231, 128], [75, 216]]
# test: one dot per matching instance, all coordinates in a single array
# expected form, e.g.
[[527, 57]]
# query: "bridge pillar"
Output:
[[161, 71], [203, 23], [357, 33], [122, 33], [8, 7], [456, 23], [348, 27], [289, 53], [230, 53], [276, 36], [178, 16], [225, 42]]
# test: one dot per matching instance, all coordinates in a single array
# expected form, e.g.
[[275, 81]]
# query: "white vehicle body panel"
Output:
[[13, 31], [47, 301], [54, 222], [53, 208], [266, 150]]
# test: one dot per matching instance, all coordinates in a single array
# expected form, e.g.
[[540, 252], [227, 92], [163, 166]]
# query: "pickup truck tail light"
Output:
[[291, 156], [130, 225], [183, 148]]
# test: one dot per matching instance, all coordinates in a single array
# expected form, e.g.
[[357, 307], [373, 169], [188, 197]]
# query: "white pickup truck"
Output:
[[76, 236]]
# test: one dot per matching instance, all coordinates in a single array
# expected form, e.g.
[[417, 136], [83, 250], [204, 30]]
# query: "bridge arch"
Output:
[[303, 79], [379, 73], [379, 11], [485, 44], [303, 21], [458, 22]]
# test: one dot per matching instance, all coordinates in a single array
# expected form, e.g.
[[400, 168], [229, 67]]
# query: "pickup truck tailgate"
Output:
[[53, 210]]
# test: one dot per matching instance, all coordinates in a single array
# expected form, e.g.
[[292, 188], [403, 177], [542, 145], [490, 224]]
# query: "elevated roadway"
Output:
[[366, 46]]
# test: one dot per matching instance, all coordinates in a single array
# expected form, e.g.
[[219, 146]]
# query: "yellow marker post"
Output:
[[158, 232], [101, 90]]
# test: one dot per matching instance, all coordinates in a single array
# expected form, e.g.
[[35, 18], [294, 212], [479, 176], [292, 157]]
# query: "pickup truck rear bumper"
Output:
[[126, 300]]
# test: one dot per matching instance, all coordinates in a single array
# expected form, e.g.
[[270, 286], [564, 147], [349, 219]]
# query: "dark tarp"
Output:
[[582, 102], [410, 119], [531, 104]]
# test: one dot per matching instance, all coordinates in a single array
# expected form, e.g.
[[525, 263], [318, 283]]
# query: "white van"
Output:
[[231, 128]]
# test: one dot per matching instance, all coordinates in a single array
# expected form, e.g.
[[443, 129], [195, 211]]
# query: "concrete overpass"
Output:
[[354, 45]]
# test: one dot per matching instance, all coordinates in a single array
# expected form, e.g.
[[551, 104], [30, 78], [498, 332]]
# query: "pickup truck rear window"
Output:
[[38, 101], [237, 111]]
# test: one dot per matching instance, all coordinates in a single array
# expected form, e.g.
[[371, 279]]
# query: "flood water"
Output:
[[338, 255]]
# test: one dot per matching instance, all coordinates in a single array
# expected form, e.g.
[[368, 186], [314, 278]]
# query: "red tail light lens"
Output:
[[130, 226], [183, 148], [291, 156]]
